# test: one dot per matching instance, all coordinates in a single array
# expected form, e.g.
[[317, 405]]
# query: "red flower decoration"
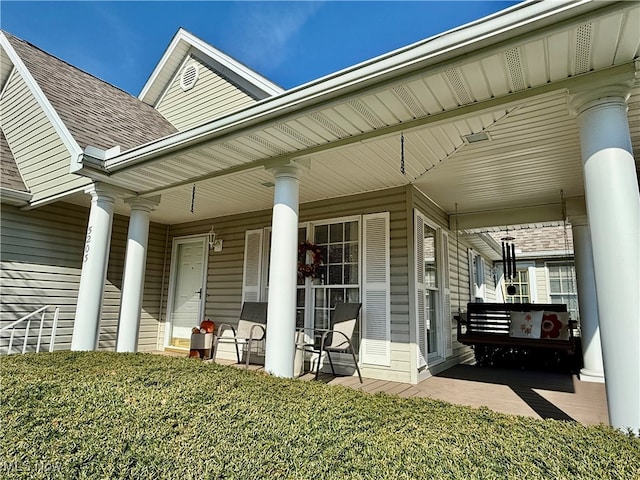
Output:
[[309, 269], [551, 326]]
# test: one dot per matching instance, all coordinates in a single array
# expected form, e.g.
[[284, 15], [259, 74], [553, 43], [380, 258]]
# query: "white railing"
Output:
[[18, 325]]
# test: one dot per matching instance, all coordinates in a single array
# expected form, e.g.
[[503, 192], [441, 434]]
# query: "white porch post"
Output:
[[613, 208], [281, 314], [592, 370], [86, 327], [133, 277]]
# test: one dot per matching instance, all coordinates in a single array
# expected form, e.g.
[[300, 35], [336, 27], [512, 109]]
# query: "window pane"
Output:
[[320, 298], [353, 295], [351, 274], [335, 253], [351, 231], [351, 252], [335, 275], [430, 264], [336, 295], [321, 234], [336, 232]]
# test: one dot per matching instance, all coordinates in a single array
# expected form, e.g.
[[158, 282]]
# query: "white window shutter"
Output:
[[376, 295], [421, 320], [446, 296], [252, 266]]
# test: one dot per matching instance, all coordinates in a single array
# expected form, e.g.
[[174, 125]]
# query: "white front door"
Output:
[[187, 290]]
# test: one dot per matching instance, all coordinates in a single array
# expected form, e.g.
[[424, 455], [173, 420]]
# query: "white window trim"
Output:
[[440, 355]]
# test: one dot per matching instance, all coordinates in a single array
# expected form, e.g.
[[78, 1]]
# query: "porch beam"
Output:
[[283, 274], [613, 207], [86, 327], [134, 271], [550, 212]]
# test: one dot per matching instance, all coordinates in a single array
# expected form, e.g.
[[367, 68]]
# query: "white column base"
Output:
[[591, 376]]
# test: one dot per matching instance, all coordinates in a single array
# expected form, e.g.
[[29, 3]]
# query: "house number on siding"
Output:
[[87, 244]]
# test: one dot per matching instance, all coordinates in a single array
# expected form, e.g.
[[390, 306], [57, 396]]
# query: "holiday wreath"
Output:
[[309, 269]]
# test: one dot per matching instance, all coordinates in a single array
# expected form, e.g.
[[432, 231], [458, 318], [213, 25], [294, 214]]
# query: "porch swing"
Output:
[[501, 330]]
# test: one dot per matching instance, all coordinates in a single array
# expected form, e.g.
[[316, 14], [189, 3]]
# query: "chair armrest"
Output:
[[261, 337], [225, 326], [333, 332]]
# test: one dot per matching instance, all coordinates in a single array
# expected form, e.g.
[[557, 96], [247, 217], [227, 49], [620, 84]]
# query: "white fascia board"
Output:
[[59, 126], [510, 23], [182, 35]]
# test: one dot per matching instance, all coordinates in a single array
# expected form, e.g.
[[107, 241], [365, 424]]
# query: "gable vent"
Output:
[[189, 77]]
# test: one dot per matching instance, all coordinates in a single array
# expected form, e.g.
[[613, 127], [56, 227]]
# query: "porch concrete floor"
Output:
[[517, 392]]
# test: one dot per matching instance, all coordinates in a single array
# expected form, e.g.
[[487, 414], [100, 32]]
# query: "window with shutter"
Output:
[[433, 296], [376, 304]]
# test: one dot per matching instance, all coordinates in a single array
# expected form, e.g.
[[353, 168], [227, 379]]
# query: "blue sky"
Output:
[[290, 43]]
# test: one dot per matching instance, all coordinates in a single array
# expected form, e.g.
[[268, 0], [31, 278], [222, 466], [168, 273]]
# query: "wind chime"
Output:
[[509, 262]]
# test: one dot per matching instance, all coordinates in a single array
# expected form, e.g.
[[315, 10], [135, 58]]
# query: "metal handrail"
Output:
[[13, 327]]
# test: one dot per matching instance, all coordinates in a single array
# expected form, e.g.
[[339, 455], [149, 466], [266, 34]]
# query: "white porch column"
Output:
[[592, 370], [86, 327], [613, 208], [281, 314], [133, 277]]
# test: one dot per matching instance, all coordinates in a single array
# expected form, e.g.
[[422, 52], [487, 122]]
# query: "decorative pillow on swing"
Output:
[[555, 325], [525, 324]]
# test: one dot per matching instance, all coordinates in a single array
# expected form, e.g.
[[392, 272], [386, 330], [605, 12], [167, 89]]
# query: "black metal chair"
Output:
[[337, 339], [251, 328]]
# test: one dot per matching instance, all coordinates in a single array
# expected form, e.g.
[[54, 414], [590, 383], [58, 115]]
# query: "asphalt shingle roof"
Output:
[[95, 112], [9, 174], [544, 239]]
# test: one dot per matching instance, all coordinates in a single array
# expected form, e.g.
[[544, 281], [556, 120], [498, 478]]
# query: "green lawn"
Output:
[[105, 415]]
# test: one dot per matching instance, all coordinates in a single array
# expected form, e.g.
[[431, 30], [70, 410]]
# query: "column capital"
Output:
[[289, 168], [146, 204], [105, 192], [604, 95]]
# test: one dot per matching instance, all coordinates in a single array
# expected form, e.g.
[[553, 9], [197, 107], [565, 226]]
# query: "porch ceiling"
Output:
[[517, 91]]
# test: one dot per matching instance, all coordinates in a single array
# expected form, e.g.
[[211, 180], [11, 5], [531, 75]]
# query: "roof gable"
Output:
[[184, 45], [95, 112]]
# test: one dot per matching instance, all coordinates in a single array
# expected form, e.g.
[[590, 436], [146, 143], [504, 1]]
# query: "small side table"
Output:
[[201, 343]]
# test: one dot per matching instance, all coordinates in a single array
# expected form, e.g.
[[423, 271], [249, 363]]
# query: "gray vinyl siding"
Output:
[[40, 154], [41, 263], [224, 275], [212, 96]]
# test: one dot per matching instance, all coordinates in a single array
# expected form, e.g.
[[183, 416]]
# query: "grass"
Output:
[[105, 415]]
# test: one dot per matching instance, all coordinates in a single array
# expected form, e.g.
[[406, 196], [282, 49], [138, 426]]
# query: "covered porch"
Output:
[[492, 124]]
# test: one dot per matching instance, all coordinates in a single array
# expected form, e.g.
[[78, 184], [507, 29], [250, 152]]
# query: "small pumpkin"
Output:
[[208, 326]]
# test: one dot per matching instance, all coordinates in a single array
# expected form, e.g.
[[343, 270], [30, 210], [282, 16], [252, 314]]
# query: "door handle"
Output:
[[199, 292]]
